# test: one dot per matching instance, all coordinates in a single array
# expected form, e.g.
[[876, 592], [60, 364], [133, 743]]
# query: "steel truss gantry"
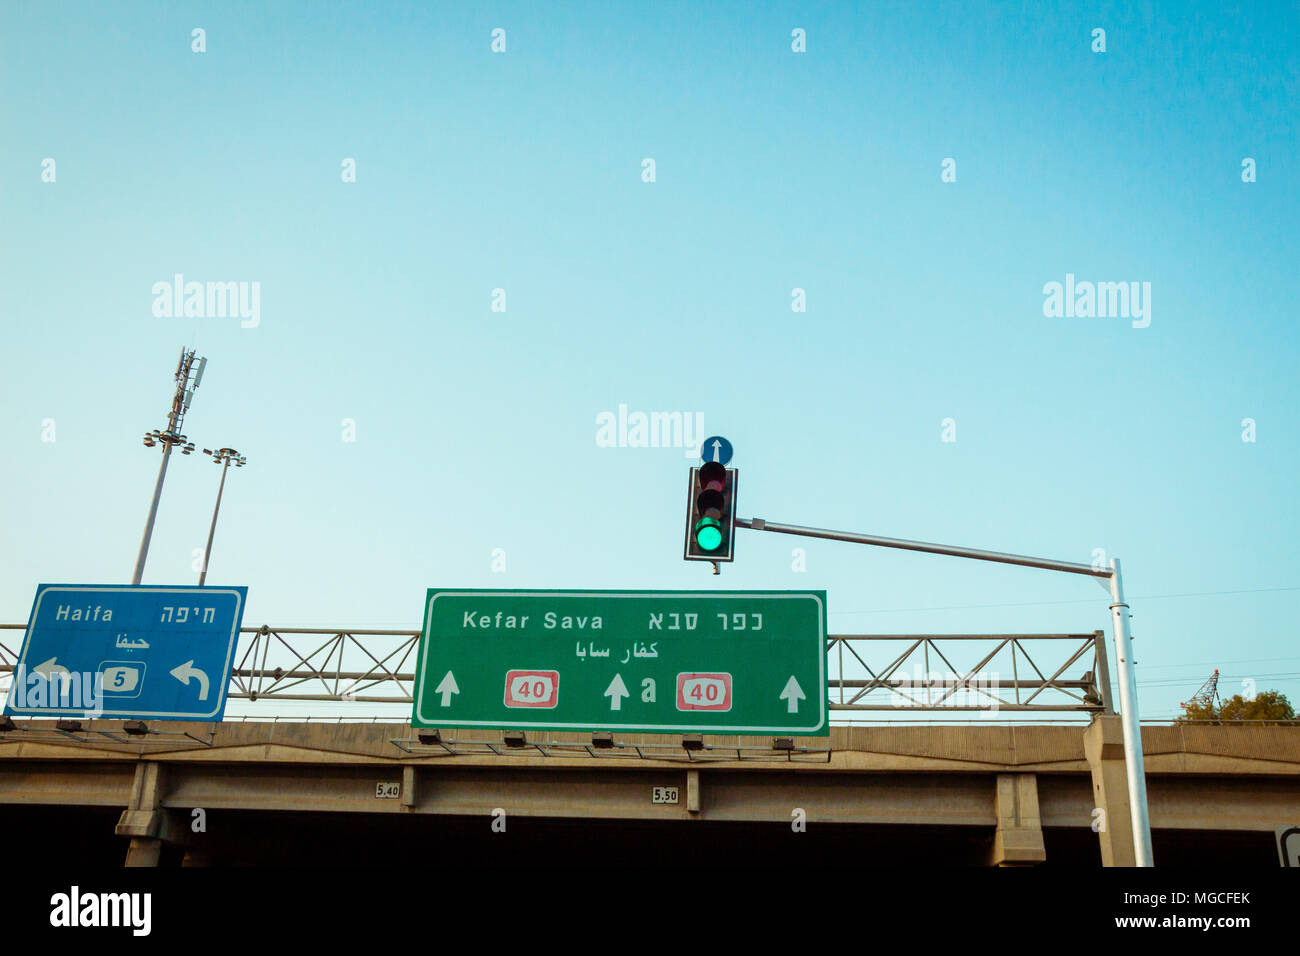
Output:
[[868, 672]]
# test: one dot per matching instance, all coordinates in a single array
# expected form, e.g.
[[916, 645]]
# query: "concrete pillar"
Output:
[[143, 851], [692, 791], [1103, 743], [1019, 838], [144, 820], [409, 795]]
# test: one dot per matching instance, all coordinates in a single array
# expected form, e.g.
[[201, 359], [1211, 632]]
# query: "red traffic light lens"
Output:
[[713, 477]]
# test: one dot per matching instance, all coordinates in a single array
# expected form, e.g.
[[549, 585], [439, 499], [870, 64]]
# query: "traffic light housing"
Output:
[[711, 513]]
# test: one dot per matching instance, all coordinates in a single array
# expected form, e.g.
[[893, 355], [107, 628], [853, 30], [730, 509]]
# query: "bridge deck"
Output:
[[1012, 781]]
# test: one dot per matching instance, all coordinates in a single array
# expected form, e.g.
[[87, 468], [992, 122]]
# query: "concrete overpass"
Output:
[[283, 791]]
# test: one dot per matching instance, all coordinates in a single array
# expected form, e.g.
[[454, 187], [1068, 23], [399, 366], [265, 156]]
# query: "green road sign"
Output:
[[721, 662]]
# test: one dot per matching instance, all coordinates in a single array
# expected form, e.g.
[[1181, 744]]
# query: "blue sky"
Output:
[[775, 170]]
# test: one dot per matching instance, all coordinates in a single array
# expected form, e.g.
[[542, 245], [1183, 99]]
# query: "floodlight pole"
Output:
[[172, 436], [212, 529], [223, 456], [153, 514], [1133, 764]]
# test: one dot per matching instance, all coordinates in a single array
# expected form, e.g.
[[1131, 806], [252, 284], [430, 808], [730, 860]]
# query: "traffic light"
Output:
[[711, 513]]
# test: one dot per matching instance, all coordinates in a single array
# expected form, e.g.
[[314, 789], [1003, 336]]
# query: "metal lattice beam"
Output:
[[869, 672], [856, 685]]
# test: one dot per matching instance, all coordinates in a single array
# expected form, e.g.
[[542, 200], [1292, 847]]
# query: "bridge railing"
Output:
[[866, 672]]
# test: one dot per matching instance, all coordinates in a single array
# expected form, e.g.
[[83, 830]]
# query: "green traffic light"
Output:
[[708, 534]]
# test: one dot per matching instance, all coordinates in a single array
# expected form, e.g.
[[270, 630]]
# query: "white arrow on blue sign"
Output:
[[716, 449]]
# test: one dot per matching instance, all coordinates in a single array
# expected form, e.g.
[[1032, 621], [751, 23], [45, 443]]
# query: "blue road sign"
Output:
[[127, 651], [716, 449]]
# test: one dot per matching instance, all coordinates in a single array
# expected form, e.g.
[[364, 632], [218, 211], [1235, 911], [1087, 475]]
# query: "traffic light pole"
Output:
[[1137, 787]]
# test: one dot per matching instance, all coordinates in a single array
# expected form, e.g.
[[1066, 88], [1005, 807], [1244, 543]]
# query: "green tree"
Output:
[[1199, 712], [1270, 706]]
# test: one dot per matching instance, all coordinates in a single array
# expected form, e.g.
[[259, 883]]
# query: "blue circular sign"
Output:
[[716, 449]]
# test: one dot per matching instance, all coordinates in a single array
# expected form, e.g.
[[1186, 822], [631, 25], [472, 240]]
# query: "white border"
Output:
[[815, 729]]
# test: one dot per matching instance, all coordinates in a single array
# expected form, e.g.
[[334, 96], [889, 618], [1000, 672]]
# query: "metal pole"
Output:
[[207, 552], [1137, 783], [153, 513], [180, 402], [1137, 787]]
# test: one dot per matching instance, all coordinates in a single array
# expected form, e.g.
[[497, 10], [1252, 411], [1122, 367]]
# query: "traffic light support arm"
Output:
[[1119, 609], [956, 551]]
